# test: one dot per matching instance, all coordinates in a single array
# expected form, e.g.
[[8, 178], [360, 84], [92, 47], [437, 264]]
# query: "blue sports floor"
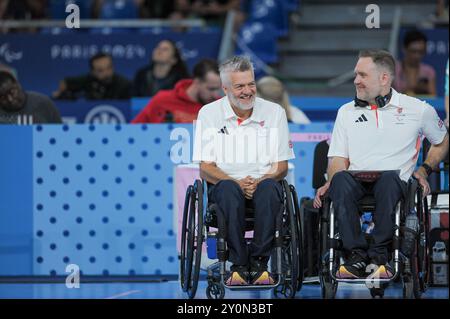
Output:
[[171, 290]]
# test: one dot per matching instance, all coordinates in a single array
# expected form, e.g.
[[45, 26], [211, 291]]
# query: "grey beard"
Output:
[[240, 105]]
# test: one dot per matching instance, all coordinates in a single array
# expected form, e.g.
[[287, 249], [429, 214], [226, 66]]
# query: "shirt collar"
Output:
[[395, 99]]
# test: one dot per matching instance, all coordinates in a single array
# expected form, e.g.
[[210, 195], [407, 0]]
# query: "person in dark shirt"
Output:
[[165, 70], [102, 83], [20, 107]]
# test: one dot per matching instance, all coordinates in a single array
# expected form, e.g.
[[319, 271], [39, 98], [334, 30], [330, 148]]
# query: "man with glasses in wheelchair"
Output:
[[242, 144], [379, 131]]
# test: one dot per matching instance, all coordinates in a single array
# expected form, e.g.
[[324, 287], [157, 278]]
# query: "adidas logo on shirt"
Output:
[[362, 118]]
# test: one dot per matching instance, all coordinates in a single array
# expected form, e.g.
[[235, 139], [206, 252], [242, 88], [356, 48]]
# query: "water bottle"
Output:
[[440, 266], [211, 245], [410, 233], [367, 223]]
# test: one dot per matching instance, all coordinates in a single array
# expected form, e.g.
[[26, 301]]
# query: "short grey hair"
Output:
[[381, 58], [237, 63]]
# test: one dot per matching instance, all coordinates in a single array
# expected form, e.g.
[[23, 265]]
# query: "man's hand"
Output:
[[422, 178], [250, 189], [248, 186], [244, 183], [320, 192]]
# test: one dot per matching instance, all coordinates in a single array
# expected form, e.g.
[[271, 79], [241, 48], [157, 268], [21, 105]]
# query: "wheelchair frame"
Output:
[[197, 220], [413, 270]]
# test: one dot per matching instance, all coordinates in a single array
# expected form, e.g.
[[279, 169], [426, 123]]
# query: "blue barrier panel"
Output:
[[98, 112], [16, 200], [65, 55]]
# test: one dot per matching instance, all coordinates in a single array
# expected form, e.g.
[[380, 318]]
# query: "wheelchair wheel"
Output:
[[415, 283], [290, 244], [215, 291], [284, 290], [328, 285], [377, 292], [299, 237], [423, 252], [191, 239], [185, 262]]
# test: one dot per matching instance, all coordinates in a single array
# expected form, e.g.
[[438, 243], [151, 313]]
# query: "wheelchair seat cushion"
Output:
[[368, 176]]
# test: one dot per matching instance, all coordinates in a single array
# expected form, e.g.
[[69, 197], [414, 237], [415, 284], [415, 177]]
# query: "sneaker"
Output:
[[380, 271], [353, 268], [262, 278], [238, 276]]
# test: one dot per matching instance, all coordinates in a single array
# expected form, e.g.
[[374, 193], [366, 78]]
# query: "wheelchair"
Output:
[[198, 222], [410, 251]]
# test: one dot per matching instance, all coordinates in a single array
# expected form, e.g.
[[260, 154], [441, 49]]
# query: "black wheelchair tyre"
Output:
[[185, 262], [292, 249], [215, 291], [328, 285], [415, 283], [299, 238], [192, 239]]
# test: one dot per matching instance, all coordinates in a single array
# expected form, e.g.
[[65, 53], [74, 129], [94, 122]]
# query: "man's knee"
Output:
[[227, 187], [342, 182], [268, 187], [389, 182], [389, 177]]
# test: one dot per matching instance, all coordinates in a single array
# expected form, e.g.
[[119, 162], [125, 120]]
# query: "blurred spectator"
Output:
[[214, 11], [442, 10], [412, 76], [439, 18], [102, 83], [22, 107], [97, 6], [166, 68], [12, 10], [156, 9], [22, 10], [37, 9], [181, 105], [271, 89]]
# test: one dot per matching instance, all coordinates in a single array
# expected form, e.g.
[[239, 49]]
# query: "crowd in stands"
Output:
[[213, 11]]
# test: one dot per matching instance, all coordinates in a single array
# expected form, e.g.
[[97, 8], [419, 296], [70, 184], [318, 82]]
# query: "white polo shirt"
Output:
[[242, 148], [387, 138]]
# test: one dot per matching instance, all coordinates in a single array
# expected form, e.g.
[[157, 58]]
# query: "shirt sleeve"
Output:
[[432, 126], [204, 140], [285, 146], [339, 140]]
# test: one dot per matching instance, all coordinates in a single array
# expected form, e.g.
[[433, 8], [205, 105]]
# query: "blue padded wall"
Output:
[[103, 200], [16, 199]]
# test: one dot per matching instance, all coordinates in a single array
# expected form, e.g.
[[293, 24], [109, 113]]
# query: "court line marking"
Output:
[[123, 294]]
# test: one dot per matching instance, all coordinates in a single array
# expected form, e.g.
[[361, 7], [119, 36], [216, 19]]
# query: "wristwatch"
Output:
[[427, 168]]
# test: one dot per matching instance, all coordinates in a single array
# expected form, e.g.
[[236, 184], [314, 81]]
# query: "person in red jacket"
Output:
[[181, 105]]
